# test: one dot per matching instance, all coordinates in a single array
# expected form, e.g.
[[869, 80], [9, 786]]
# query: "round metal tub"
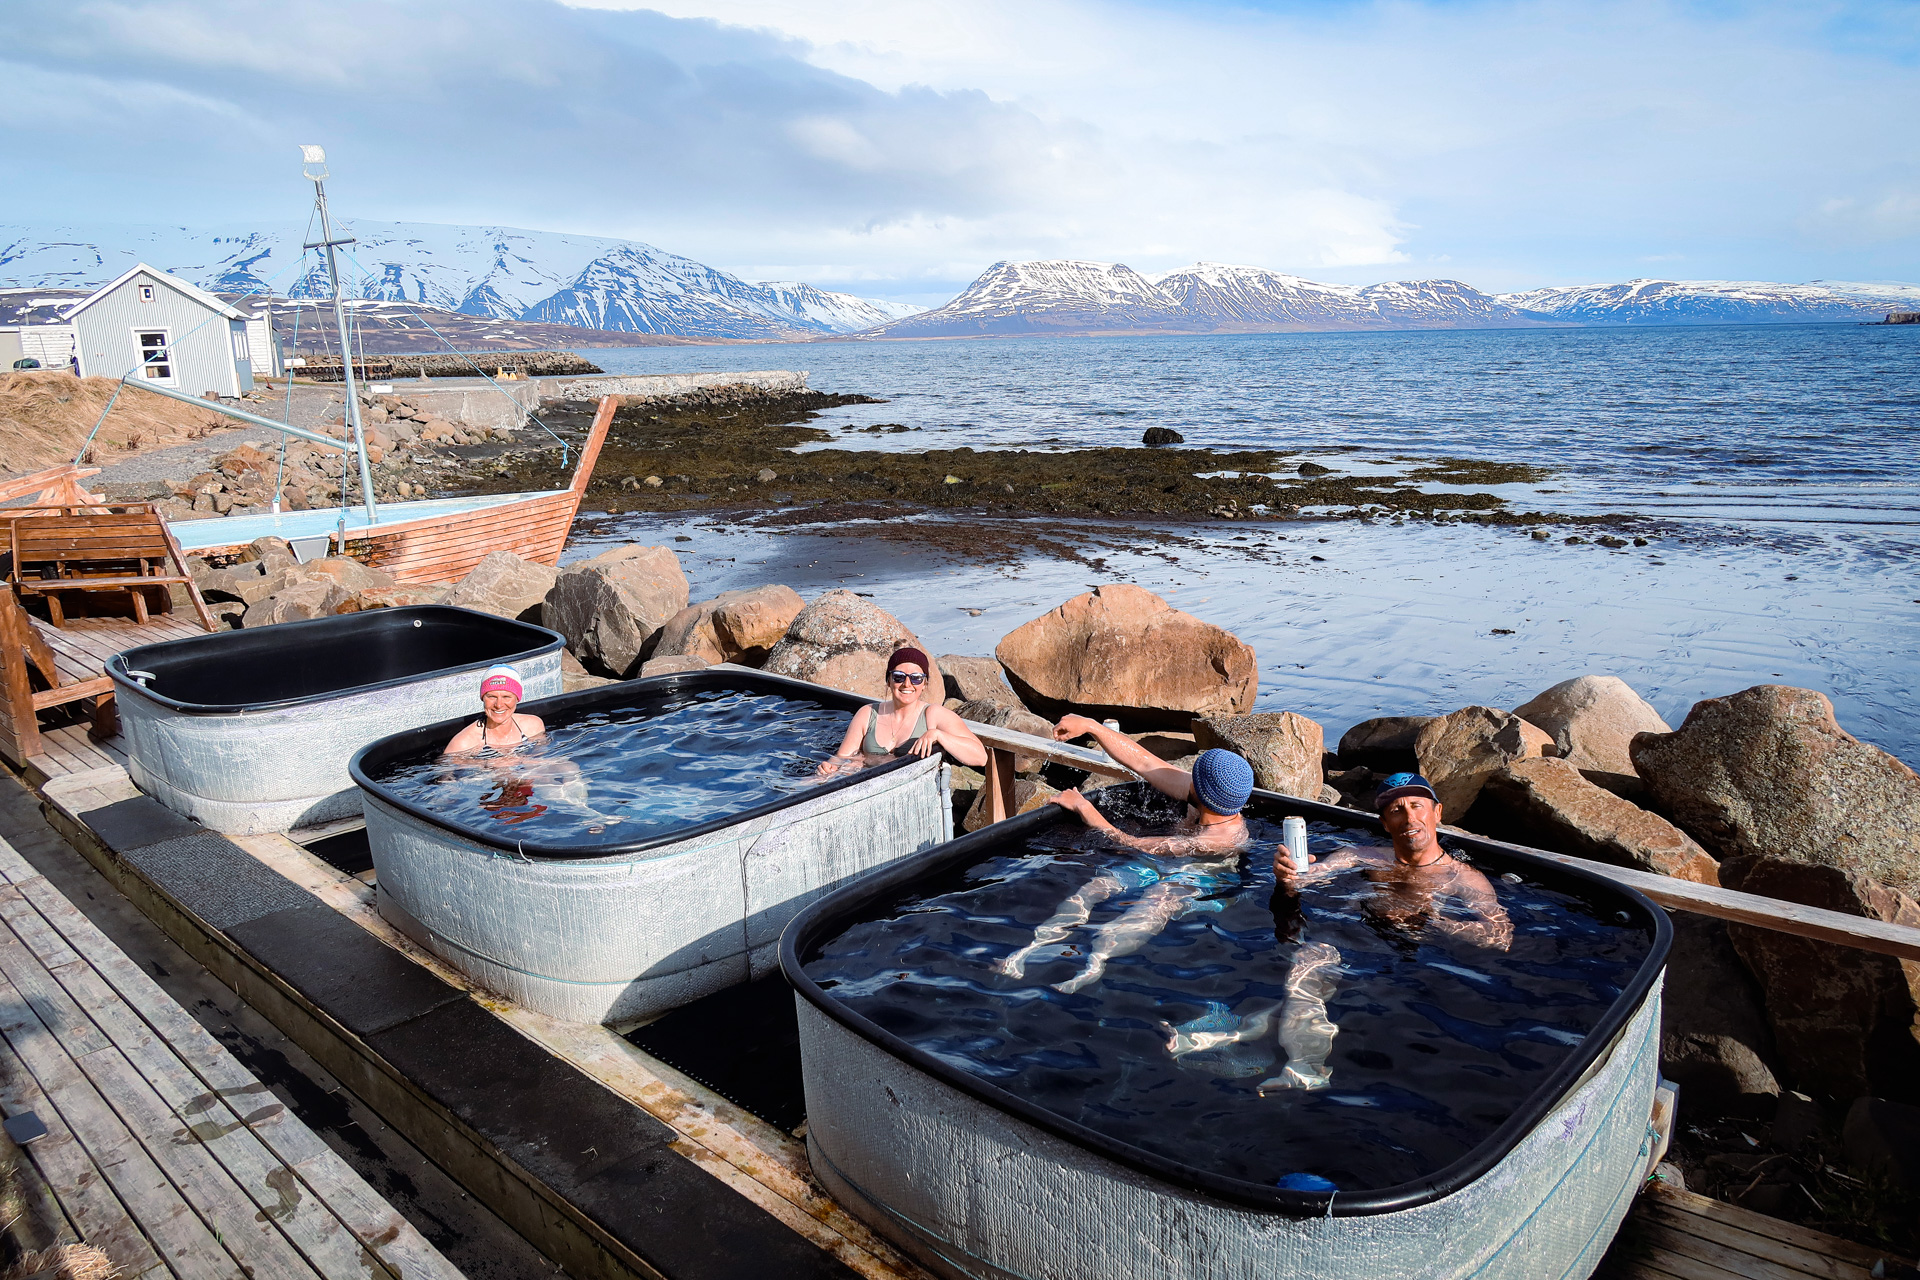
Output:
[[629, 931], [974, 1181], [251, 731]]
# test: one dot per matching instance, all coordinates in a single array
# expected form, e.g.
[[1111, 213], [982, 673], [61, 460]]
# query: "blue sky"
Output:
[[897, 147]]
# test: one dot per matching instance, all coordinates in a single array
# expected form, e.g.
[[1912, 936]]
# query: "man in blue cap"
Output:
[[1174, 871], [1416, 877]]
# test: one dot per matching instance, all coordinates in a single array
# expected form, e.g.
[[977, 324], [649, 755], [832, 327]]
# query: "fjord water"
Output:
[[1774, 468], [1193, 1047], [615, 776]]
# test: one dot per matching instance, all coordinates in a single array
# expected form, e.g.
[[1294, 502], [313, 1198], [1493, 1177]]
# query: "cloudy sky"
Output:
[[897, 147]]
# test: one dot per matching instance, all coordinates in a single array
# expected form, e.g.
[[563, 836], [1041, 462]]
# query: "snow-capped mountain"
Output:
[[1100, 297], [504, 272], [1718, 301]]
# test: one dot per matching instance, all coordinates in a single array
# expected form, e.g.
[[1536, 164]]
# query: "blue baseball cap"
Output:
[[1395, 785], [1222, 781]]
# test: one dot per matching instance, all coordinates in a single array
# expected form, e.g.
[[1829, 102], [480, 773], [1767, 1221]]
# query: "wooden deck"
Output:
[[1677, 1235], [162, 1150]]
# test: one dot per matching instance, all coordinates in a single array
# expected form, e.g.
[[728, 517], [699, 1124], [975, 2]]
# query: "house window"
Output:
[[240, 352], [146, 293], [156, 361]]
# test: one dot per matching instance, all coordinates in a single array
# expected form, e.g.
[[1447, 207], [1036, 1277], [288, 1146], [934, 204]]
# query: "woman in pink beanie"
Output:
[[501, 729]]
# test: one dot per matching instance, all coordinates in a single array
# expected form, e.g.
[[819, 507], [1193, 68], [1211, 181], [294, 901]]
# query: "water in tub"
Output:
[[615, 775], [1360, 1033]]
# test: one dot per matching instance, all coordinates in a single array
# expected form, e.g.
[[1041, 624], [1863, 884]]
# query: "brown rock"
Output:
[[668, 664], [1844, 1021], [1167, 744], [611, 608], [843, 641], [398, 597], [506, 586], [1592, 720], [1459, 752], [1768, 773], [690, 633], [750, 623], [1545, 802], [973, 679], [1385, 744], [1283, 747], [275, 552], [1028, 794], [316, 599], [1121, 651], [346, 571], [1004, 716]]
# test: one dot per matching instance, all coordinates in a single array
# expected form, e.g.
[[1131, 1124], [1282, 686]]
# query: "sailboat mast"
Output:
[[316, 156]]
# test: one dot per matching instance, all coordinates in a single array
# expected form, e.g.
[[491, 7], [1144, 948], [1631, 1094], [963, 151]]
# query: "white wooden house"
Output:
[[160, 329]]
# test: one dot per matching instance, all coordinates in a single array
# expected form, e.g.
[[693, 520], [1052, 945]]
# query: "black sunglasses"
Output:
[[903, 677]]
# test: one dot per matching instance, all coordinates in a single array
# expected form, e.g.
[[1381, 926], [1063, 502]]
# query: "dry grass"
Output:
[[64, 1262], [45, 417]]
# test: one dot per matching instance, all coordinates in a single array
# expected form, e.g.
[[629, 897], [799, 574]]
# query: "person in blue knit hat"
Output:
[[1192, 862]]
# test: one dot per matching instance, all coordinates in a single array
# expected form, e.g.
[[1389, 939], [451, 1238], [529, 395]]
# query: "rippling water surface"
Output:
[[630, 773], [1195, 1047]]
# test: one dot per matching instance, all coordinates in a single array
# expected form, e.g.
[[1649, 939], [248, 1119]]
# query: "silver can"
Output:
[[1293, 834]]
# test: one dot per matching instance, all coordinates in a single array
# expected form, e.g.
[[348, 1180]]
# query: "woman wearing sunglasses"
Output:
[[910, 722]]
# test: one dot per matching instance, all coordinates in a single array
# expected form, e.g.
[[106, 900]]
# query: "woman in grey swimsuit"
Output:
[[910, 722]]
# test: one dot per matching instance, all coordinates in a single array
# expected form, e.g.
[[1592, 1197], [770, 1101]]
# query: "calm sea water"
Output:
[[1781, 462]]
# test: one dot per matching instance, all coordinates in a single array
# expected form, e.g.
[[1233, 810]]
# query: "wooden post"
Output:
[[999, 785], [19, 726]]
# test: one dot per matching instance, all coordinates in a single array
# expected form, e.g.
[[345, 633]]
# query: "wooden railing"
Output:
[[1896, 940]]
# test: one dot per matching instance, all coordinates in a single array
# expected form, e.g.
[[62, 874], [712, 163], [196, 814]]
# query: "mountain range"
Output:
[[613, 286], [1064, 296], [541, 276]]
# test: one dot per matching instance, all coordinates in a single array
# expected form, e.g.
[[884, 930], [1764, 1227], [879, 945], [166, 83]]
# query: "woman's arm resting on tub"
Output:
[[949, 732], [849, 745]]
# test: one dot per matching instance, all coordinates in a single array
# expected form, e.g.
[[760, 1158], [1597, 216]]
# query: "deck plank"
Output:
[[1789, 1233], [1801, 1261], [169, 1222], [284, 1167]]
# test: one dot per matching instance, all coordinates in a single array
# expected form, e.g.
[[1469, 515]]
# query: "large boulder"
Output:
[[1714, 1039], [1283, 747], [1459, 752], [345, 570], [753, 621], [1592, 721], [1384, 744], [671, 664], [843, 640], [505, 585], [973, 679], [1122, 652], [734, 626], [317, 599], [1546, 802], [1028, 794], [1845, 1022], [1768, 773], [610, 608]]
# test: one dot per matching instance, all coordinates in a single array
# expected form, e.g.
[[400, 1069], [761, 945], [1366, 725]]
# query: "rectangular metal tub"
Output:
[[632, 931], [251, 731], [974, 1181]]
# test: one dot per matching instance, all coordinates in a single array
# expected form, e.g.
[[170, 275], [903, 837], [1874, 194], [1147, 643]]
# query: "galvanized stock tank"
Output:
[[974, 1180], [251, 731], [617, 932]]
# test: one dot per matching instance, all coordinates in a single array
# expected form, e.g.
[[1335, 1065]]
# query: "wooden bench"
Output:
[[129, 550], [23, 652]]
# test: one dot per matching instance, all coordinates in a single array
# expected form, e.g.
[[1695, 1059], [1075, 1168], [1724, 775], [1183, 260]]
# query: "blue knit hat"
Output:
[[1222, 780]]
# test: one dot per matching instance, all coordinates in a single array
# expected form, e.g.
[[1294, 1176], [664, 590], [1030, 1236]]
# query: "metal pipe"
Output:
[[327, 242], [258, 421]]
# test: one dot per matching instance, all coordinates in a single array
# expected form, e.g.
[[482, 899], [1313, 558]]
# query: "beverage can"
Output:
[[1293, 834]]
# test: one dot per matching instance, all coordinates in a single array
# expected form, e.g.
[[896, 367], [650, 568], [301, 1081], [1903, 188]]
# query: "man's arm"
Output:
[[1128, 754], [1490, 926]]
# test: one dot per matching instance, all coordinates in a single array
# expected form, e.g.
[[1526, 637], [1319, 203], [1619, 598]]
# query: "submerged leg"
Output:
[[1134, 929], [1305, 1032], [1219, 1027], [1071, 914]]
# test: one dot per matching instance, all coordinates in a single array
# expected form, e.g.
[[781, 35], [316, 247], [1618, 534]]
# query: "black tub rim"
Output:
[[720, 676], [827, 912], [120, 670]]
